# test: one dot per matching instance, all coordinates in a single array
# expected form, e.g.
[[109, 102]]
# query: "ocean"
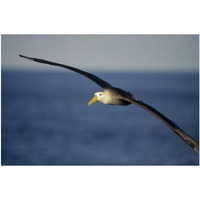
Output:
[[45, 119]]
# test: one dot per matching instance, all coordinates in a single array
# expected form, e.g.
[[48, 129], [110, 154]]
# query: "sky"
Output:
[[144, 53]]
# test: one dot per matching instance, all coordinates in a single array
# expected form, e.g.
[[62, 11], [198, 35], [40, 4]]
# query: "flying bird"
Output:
[[116, 96]]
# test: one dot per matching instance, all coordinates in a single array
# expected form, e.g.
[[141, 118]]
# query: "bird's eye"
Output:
[[99, 94]]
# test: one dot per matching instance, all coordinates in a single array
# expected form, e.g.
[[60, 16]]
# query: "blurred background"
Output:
[[45, 116]]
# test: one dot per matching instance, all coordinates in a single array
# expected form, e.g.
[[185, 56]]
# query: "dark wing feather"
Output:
[[92, 77], [185, 137]]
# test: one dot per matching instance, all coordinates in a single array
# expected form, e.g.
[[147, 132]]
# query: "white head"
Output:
[[98, 96]]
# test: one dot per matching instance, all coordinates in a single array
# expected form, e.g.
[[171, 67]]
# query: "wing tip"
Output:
[[22, 56], [25, 57]]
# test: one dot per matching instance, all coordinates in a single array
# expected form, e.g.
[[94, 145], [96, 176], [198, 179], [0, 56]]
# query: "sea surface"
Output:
[[45, 119]]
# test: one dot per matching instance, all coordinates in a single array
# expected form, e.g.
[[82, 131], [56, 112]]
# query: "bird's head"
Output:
[[98, 96]]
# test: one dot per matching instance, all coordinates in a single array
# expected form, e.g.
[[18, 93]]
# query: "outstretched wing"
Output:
[[92, 77], [184, 136]]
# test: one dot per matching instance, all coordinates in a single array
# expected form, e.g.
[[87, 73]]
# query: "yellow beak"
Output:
[[92, 101]]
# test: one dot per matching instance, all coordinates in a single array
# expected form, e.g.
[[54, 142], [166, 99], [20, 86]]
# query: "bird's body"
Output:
[[116, 96]]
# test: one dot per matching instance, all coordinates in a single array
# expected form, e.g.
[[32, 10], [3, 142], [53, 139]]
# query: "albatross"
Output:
[[116, 96]]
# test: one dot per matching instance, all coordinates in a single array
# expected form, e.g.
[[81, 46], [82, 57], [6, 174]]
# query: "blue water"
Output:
[[46, 120]]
